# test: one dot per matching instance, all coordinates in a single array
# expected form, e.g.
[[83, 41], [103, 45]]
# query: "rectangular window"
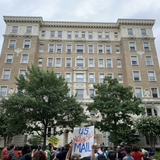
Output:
[[27, 44], [69, 34], [107, 34], [91, 93], [151, 76], [68, 63], [9, 58], [101, 78], [68, 77], [115, 34], [138, 92], [51, 48], [43, 33], [41, 47], [149, 112], [134, 60], [143, 31], [91, 63], [58, 75], [23, 72], [118, 62], [52, 33], [130, 31], [120, 79], [79, 93], [146, 46], [58, 62], [110, 75], [100, 49], [6, 74], [79, 62], [117, 49], [154, 92], [149, 60], [90, 48], [76, 34], [91, 77], [83, 34], [90, 35], [50, 62], [12, 43], [108, 49], [99, 34], [68, 48], [132, 46], [109, 63], [60, 34], [79, 48], [79, 77], [101, 63], [3, 91], [136, 76], [15, 29], [69, 93], [24, 58], [59, 48], [40, 60], [29, 29]]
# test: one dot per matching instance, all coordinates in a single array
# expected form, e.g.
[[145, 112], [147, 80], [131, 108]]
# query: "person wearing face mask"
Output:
[[5, 152]]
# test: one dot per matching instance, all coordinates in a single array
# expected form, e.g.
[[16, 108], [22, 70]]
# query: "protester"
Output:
[[145, 155], [25, 152], [62, 155], [121, 152], [49, 154], [151, 153], [112, 154], [128, 153], [136, 154], [100, 155], [5, 152], [12, 155], [57, 151], [39, 155]]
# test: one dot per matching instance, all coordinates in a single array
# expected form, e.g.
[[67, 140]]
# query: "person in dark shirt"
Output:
[[121, 152], [25, 152], [112, 154], [145, 155]]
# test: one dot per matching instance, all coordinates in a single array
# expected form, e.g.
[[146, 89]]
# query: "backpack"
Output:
[[21, 157], [101, 156], [123, 154], [7, 157]]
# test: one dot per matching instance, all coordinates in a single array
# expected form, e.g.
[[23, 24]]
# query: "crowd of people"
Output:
[[122, 152]]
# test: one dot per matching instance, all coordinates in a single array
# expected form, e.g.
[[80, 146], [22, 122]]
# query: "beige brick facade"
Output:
[[141, 34]]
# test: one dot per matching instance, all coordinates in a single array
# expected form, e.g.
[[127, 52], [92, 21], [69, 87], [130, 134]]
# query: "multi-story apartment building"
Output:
[[84, 53]]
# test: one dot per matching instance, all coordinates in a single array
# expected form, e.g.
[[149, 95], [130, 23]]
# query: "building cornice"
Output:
[[19, 36], [138, 38]]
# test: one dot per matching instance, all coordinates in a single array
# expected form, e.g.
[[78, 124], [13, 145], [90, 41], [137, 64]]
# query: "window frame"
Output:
[[136, 61], [134, 46], [149, 48], [116, 48], [23, 70], [100, 36], [93, 93], [70, 76], [67, 49], [99, 49], [155, 79], [81, 78], [51, 34], [22, 58], [43, 33], [118, 78], [110, 49], [130, 33], [27, 29], [49, 47], [6, 58], [139, 75], [92, 49], [93, 77], [40, 47], [99, 76], [66, 62], [90, 36], [77, 93], [107, 63], [10, 42], [84, 34], [111, 73], [60, 62], [145, 32], [106, 34], [76, 36], [120, 63], [80, 59], [57, 48], [99, 63], [1, 89], [16, 30], [89, 63], [48, 61], [80, 45], [115, 34], [137, 87], [59, 35], [40, 65], [157, 92], [151, 60], [3, 73], [25, 44], [69, 36]]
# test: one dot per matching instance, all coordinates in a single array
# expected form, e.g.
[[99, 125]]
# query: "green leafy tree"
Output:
[[35, 140], [115, 103], [149, 126], [43, 102]]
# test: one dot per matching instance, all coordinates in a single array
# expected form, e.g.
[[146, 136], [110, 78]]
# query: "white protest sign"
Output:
[[83, 138]]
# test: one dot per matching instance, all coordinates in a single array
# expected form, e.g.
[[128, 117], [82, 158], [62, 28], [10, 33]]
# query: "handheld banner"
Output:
[[54, 140], [83, 138]]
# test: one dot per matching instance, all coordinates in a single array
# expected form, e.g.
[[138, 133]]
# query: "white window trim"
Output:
[[24, 43], [80, 45], [4, 86], [151, 59], [75, 34], [58, 72], [53, 48], [110, 49], [119, 49], [88, 48], [134, 45], [88, 35], [146, 32], [111, 63], [105, 35], [22, 56], [71, 48], [61, 32], [10, 41], [57, 48], [132, 32], [93, 63], [93, 77], [122, 78], [139, 75], [39, 48], [66, 62], [84, 76], [99, 76], [6, 58], [157, 91], [42, 61], [101, 35], [148, 45], [117, 35], [12, 29], [60, 63], [67, 34], [102, 49], [131, 60], [31, 30], [70, 76], [52, 61], [120, 65], [154, 75], [141, 90], [9, 74], [89, 92], [103, 63], [69, 92], [76, 62], [21, 69], [54, 34], [111, 73]]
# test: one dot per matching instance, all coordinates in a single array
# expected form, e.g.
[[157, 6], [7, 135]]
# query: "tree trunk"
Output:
[[5, 141], [44, 137], [115, 131]]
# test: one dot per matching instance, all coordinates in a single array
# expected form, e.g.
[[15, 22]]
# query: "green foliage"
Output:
[[115, 104], [44, 102], [157, 155], [35, 140]]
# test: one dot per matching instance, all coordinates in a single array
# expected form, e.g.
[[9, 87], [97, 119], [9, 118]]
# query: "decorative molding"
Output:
[[138, 38], [18, 50], [11, 91], [79, 69], [140, 53], [20, 36], [69, 85], [90, 86], [147, 93]]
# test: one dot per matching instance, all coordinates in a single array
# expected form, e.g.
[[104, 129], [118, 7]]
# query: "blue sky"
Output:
[[83, 10]]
